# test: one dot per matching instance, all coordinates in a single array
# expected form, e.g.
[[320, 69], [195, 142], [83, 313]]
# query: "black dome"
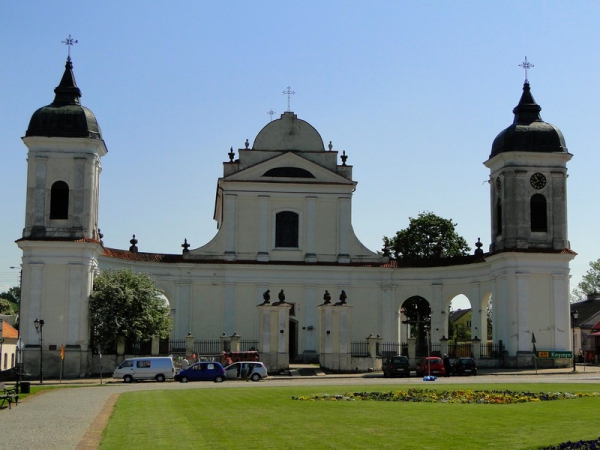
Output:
[[65, 117], [529, 133]]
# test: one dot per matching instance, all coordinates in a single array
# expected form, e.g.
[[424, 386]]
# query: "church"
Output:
[[285, 268]]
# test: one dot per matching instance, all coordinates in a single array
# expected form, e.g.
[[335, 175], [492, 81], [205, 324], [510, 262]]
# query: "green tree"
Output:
[[127, 305], [13, 295], [9, 302], [589, 284], [6, 307], [427, 236]]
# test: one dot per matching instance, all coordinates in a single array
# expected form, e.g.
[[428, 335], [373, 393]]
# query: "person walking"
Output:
[[249, 374], [447, 365]]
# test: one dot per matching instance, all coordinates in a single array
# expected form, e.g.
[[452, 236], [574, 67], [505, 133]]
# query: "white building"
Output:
[[283, 208]]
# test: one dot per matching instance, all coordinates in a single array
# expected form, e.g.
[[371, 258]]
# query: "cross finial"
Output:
[[289, 93], [69, 42], [271, 112], [526, 65]]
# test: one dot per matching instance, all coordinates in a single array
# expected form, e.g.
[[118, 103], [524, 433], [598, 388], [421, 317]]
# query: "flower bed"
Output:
[[450, 396]]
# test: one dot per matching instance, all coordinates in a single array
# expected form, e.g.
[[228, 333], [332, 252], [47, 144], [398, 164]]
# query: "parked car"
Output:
[[464, 366], [396, 366], [202, 371], [159, 368], [431, 365], [239, 370]]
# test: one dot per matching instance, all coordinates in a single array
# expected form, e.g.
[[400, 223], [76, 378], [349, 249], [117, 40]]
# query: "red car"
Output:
[[431, 365]]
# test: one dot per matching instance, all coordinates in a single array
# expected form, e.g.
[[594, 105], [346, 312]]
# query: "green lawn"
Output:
[[267, 417]]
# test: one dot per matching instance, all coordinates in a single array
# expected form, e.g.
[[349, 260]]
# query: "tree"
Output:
[[127, 305], [6, 307], [9, 302], [13, 295], [427, 236], [589, 284]]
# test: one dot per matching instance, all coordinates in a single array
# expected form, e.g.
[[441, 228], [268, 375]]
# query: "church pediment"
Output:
[[288, 167]]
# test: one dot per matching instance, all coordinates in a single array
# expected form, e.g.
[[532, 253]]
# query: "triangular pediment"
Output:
[[288, 167]]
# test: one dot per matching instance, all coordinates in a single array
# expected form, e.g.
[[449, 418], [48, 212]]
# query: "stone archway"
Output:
[[416, 312]]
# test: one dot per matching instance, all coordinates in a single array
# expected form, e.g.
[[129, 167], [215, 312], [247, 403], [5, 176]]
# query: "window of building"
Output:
[[539, 214], [288, 172], [286, 229], [59, 200]]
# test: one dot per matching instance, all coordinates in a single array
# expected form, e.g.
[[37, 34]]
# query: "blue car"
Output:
[[202, 371]]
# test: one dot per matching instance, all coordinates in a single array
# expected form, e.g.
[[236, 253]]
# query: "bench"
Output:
[[8, 394]]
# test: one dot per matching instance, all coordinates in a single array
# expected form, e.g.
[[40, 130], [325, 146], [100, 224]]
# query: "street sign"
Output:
[[551, 354]]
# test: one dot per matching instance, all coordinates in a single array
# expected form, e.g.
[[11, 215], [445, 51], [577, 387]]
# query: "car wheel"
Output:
[[385, 375], [219, 379], [255, 377], [184, 379], [160, 378], [127, 379]]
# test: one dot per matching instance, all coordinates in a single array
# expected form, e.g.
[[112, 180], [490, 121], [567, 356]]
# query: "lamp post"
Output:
[[574, 316], [39, 327]]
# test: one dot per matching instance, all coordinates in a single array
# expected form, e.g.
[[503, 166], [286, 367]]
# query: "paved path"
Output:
[[64, 419]]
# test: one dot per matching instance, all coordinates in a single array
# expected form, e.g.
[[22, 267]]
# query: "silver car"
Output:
[[240, 371]]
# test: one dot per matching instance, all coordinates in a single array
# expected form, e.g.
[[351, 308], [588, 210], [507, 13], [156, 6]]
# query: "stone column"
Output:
[[273, 343], [189, 344], [263, 230], [335, 351], [310, 256], [235, 342], [229, 219], [225, 343], [476, 343], [155, 350]]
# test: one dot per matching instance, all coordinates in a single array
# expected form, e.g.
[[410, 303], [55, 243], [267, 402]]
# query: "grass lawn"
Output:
[[267, 417]]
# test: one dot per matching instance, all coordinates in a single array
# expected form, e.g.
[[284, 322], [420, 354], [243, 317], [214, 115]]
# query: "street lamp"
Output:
[[39, 327], [574, 316]]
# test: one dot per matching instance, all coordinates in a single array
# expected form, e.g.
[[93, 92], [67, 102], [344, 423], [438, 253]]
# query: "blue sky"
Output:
[[414, 92]]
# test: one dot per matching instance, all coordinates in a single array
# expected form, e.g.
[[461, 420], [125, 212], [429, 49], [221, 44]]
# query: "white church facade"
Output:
[[283, 209]]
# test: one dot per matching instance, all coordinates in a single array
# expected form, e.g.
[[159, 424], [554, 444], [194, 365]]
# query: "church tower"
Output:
[[528, 182], [61, 240], [530, 250]]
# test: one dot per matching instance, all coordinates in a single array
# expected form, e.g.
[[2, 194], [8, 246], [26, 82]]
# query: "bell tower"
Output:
[[530, 250], [60, 241], [528, 182]]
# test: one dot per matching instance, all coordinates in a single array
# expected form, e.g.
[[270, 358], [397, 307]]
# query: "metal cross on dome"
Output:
[[271, 112], [526, 65], [69, 42], [289, 93]]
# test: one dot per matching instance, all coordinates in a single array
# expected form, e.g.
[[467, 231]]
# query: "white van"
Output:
[[159, 368]]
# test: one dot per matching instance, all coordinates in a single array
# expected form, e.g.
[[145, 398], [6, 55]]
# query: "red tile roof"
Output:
[[8, 331]]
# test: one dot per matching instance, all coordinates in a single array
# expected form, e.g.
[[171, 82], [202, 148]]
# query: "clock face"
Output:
[[537, 180], [498, 184]]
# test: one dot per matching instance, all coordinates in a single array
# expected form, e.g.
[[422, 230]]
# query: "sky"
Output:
[[413, 92]]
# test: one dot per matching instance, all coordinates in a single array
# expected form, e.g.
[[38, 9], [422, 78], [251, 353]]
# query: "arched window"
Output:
[[286, 229], [499, 217], [59, 200], [539, 215]]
